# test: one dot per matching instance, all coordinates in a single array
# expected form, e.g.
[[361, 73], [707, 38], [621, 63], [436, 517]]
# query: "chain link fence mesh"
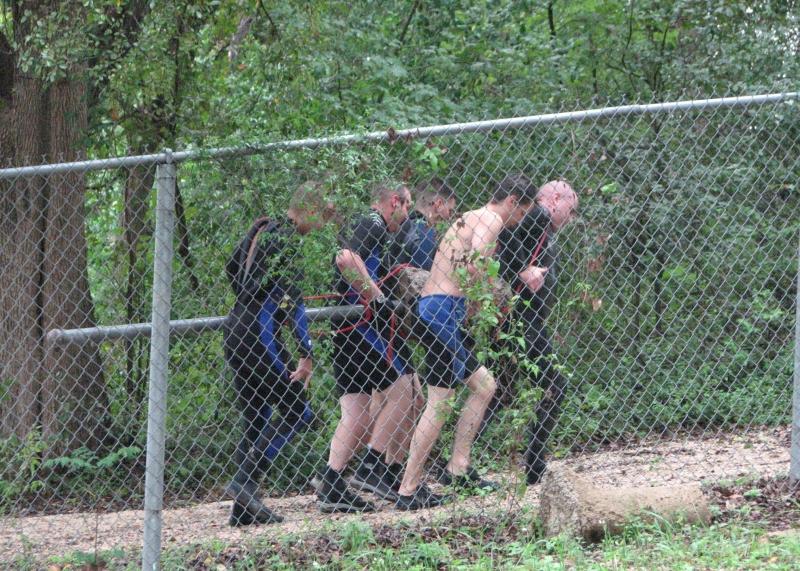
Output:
[[673, 326]]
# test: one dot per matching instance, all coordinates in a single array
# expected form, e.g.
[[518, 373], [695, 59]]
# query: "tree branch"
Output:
[[238, 37], [407, 23], [275, 29], [121, 23], [551, 22]]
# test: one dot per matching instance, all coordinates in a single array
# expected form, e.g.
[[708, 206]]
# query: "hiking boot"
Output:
[[469, 480], [422, 498], [373, 477], [247, 506], [335, 497]]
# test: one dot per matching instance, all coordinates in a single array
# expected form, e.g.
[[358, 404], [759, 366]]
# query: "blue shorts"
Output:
[[447, 360]]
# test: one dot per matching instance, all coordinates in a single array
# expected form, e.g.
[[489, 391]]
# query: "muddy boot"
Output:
[[247, 502], [370, 476], [240, 516], [422, 498]]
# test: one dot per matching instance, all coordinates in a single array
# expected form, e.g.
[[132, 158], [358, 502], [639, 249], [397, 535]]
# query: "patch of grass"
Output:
[[476, 542]]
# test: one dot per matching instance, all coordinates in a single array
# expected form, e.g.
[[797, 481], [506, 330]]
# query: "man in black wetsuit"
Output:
[[368, 358], [527, 255], [265, 277]]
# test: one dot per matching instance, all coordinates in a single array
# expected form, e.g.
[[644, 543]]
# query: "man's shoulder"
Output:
[[371, 219], [486, 217], [365, 229]]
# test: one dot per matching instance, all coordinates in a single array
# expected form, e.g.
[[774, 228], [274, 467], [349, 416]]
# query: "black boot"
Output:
[[535, 464], [422, 498], [470, 480], [243, 490], [240, 516], [371, 476], [335, 497], [394, 476]]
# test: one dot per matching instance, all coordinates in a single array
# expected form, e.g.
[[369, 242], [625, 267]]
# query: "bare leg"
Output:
[[352, 430], [376, 403], [393, 423], [482, 387], [399, 446], [427, 431]]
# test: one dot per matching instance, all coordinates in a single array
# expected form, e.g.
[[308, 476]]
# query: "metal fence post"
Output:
[[159, 363], [794, 467]]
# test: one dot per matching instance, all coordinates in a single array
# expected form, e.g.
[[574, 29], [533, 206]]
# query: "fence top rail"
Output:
[[392, 135]]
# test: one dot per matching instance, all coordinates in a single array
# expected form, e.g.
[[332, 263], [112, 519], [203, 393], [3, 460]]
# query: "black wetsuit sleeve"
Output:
[[363, 237], [517, 245]]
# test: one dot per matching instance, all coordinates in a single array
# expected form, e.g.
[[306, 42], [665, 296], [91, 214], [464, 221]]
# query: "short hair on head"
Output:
[[311, 196], [384, 190], [426, 192], [516, 184]]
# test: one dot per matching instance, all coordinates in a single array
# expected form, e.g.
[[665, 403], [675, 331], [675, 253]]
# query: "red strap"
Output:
[[367, 315]]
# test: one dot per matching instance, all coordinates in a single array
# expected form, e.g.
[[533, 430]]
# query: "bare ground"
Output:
[[713, 457]]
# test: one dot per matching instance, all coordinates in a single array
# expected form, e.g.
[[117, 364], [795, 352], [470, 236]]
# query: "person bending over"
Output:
[[442, 310], [528, 262], [417, 239]]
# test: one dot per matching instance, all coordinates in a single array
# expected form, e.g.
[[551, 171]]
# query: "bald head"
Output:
[[558, 198]]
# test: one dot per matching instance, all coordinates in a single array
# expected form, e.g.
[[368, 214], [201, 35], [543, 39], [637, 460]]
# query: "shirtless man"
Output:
[[442, 309]]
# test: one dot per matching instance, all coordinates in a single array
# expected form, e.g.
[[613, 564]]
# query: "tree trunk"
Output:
[[74, 398], [58, 392], [6, 98], [22, 239]]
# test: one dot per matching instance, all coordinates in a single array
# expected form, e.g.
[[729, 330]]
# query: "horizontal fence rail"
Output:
[[196, 326], [403, 134]]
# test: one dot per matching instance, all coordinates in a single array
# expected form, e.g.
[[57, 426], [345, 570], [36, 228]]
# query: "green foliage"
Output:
[[20, 462], [27, 472]]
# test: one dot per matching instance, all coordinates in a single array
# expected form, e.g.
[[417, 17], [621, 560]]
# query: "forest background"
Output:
[[681, 276]]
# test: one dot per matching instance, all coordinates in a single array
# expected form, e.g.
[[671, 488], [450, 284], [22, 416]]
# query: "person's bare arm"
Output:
[[354, 271], [484, 237]]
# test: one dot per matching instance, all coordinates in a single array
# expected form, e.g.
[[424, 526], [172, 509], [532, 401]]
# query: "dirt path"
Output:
[[713, 457]]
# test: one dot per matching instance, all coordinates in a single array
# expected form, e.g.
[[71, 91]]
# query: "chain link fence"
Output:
[[673, 324]]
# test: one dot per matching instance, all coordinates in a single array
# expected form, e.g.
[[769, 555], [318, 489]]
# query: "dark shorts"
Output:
[[361, 363], [448, 361]]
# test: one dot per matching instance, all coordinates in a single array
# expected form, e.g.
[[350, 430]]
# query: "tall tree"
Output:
[[59, 391]]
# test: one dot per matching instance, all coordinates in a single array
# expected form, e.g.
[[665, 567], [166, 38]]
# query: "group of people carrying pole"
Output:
[[385, 419]]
